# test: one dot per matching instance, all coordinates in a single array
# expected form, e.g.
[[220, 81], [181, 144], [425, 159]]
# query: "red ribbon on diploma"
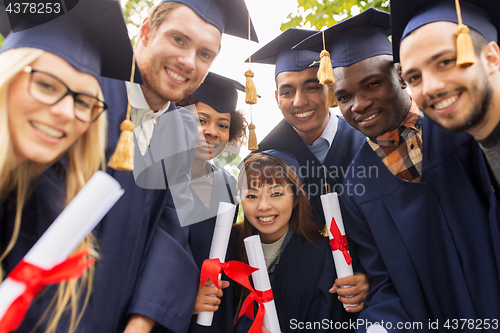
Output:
[[260, 297], [339, 242], [235, 270], [35, 279]]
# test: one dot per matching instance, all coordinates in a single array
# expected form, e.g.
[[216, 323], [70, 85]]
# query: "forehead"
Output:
[[210, 111], [428, 40], [379, 66], [296, 78], [185, 20]]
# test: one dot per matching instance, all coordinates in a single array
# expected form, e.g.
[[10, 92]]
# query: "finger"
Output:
[[223, 284], [333, 289], [351, 300], [346, 281], [354, 309]]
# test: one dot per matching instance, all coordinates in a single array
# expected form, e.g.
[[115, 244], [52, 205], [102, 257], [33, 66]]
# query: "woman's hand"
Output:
[[208, 297], [357, 287]]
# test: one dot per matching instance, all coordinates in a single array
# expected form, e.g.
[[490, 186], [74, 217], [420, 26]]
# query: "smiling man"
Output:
[[177, 44], [413, 221]]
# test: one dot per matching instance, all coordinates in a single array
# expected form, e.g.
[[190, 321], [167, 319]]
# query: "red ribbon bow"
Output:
[[260, 297], [339, 242], [35, 279], [235, 270]]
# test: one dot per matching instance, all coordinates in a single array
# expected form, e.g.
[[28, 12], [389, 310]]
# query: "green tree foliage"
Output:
[[134, 12], [318, 14]]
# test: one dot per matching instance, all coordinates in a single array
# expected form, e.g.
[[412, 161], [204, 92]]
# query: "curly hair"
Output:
[[237, 126]]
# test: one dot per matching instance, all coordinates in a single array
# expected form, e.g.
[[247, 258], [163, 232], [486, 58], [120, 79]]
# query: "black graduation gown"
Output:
[[200, 241], [430, 249], [344, 146], [300, 285]]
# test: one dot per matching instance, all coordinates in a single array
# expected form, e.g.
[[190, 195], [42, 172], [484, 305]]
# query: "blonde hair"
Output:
[[85, 157]]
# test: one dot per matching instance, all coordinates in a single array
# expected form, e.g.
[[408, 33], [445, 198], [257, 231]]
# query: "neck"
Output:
[[154, 101], [311, 136], [491, 119], [199, 167]]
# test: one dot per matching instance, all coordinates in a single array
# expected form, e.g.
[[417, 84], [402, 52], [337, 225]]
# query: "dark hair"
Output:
[[263, 169], [237, 126]]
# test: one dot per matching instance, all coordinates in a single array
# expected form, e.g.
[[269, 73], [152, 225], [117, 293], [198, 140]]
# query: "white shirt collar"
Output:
[[329, 132], [138, 102]]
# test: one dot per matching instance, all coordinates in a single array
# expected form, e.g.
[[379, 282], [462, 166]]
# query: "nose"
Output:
[[264, 204], [432, 85], [361, 103], [300, 99], [188, 60], [64, 109], [210, 130]]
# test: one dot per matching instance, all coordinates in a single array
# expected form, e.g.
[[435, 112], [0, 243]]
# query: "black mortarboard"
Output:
[[408, 15], [92, 37], [360, 37], [219, 92], [229, 16], [279, 52]]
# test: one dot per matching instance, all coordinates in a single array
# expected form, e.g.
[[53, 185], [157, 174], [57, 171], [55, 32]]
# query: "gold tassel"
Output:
[[123, 157], [250, 91], [465, 48], [325, 71], [252, 138], [332, 101]]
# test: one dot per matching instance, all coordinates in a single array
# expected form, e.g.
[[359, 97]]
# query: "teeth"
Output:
[[370, 117], [304, 114], [207, 145], [49, 131], [447, 102], [176, 76], [267, 219]]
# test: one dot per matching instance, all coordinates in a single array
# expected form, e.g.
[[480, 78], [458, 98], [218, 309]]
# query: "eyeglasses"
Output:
[[50, 90]]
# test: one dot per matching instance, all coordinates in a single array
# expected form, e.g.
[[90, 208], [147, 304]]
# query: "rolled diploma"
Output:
[[331, 208], [74, 223], [218, 249], [261, 282]]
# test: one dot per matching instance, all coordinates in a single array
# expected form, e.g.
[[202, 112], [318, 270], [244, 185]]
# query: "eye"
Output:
[[413, 79], [223, 126], [201, 121], [83, 102], [42, 85], [178, 40], [206, 55], [446, 62], [251, 196], [276, 194], [286, 93], [373, 84], [313, 88], [343, 99]]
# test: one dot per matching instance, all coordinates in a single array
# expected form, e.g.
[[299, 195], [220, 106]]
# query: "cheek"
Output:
[[79, 129]]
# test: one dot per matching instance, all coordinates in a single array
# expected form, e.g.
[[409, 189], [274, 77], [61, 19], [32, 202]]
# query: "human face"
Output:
[[213, 131], [39, 132], [302, 101], [457, 99], [269, 208], [175, 59], [371, 95]]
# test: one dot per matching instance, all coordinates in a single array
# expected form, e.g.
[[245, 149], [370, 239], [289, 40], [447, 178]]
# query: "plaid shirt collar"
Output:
[[411, 123]]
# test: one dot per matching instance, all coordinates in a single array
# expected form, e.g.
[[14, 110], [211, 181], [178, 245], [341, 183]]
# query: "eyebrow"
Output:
[[428, 61], [286, 85]]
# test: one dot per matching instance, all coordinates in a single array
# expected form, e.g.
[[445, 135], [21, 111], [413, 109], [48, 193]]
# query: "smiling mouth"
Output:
[[446, 103], [369, 118], [47, 130], [304, 114], [267, 218], [205, 144], [176, 76]]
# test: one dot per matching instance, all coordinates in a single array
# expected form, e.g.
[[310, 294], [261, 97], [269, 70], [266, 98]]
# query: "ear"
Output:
[[144, 31], [399, 73], [491, 53], [276, 96]]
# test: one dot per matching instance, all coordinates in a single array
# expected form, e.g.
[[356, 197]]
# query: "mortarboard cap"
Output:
[[92, 37], [282, 155], [360, 37], [409, 15], [219, 92], [229, 16], [279, 52]]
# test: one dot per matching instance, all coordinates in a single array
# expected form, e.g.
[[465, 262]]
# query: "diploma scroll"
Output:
[[341, 257], [218, 249], [261, 281], [74, 223]]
